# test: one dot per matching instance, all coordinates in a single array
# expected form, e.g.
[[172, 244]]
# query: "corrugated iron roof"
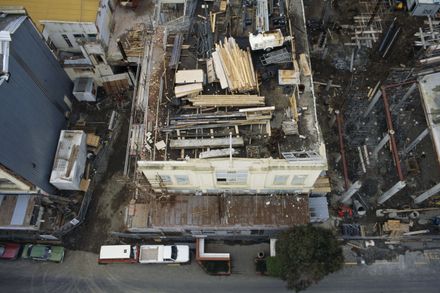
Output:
[[59, 10]]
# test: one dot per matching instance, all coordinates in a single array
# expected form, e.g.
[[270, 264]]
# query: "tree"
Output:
[[304, 255]]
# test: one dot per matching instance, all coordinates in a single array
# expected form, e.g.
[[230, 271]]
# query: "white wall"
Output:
[[53, 32], [244, 175], [104, 21], [12, 184]]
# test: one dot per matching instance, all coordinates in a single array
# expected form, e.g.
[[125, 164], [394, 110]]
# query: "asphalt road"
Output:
[[81, 273]]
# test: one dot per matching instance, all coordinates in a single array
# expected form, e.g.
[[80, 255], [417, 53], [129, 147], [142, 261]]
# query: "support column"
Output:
[[373, 102], [415, 142], [392, 191], [381, 144], [427, 194], [352, 190]]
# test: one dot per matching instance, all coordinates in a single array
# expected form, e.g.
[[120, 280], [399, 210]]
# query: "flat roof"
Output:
[[219, 212], [212, 114], [114, 251], [429, 87], [16, 210], [59, 10]]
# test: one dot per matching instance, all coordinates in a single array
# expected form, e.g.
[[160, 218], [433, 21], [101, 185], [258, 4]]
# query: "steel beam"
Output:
[[373, 102], [408, 93], [381, 144], [415, 142], [392, 191], [342, 148], [392, 136], [352, 190], [427, 194]]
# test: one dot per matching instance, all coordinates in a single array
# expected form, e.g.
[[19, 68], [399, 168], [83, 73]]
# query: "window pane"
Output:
[[166, 179], [298, 179], [182, 179], [231, 178], [66, 38], [280, 180]]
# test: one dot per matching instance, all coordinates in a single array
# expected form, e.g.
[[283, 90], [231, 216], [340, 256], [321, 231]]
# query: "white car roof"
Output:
[[114, 251]]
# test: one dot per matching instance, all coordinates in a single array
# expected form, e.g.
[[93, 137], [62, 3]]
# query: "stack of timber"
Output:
[[219, 119], [227, 101], [133, 41], [234, 67], [188, 89]]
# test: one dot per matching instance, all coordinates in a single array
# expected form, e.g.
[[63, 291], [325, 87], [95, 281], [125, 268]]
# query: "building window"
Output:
[[4, 181], [182, 179], [51, 44], [78, 36], [92, 36], [231, 178], [298, 179], [98, 58], [166, 179], [66, 38], [280, 180], [7, 184]]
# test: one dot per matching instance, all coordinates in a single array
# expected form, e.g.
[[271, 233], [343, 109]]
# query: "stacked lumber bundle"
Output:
[[227, 100], [133, 41], [234, 67], [187, 89]]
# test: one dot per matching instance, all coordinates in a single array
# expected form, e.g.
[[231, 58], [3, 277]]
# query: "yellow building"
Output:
[[58, 10], [64, 22]]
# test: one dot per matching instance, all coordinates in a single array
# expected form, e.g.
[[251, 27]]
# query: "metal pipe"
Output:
[[388, 86], [427, 194], [392, 135], [342, 148], [392, 191], [391, 42], [362, 160]]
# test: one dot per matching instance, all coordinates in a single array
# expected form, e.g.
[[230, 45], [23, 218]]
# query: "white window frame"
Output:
[[231, 177], [296, 179], [280, 180], [182, 179]]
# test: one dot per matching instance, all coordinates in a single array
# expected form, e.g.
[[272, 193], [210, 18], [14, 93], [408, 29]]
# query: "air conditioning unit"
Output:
[[85, 89]]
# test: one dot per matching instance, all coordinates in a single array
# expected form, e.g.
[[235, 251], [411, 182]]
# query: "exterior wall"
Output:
[[104, 21], [243, 176], [32, 111], [93, 65], [12, 184], [62, 34]]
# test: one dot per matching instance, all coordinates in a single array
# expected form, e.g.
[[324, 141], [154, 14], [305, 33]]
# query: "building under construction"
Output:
[[224, 136]]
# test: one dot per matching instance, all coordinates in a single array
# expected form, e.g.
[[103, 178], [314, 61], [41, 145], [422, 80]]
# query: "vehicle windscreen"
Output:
[[174, 252]]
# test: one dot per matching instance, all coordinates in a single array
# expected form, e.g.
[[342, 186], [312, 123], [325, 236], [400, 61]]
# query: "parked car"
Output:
[[43, 252], [164, 254], [9, 250]]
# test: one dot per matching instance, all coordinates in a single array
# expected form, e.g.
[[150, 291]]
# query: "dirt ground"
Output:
[[110, 197]]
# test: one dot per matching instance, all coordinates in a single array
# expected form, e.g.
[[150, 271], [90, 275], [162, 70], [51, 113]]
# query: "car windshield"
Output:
[[174, 252]]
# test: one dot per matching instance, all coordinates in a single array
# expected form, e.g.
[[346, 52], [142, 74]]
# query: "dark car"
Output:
[[9, 250]]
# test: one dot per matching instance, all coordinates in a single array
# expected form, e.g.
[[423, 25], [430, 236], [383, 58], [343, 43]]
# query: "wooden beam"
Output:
[[204, 143]]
